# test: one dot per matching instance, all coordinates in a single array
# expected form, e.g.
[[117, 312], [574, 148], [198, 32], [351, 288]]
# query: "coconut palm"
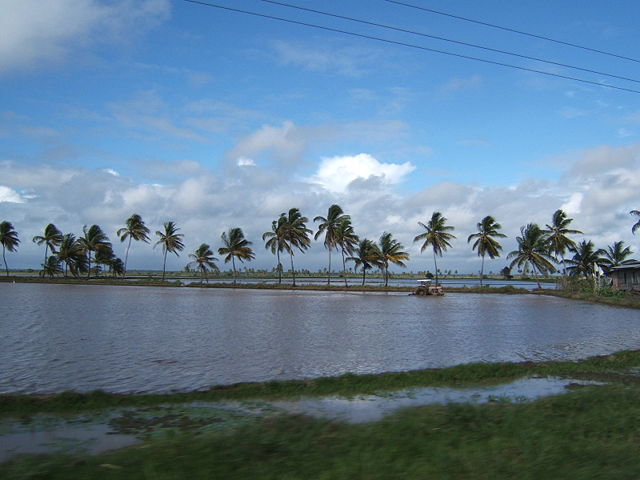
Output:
[[93, 239], [557, 235], [346, 240], [9, 240], [51, 267], [171, 241], [116, 266], [203, 260], [390, 251], [533, 251], [365, 255], [436, 236], [636, 225], [295, 234], [104, 256], [51, 238], [72, 253], [329, 226], [485, 242], [585, 259], [276, 242], [616, 255], [135, 229], [235, 246]]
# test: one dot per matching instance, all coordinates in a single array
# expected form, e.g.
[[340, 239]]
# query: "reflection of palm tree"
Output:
[[135, 230], [171, 241], [636, 225], [235, 246], [329, 226], [390, 251], [94, 239], [51, 239], [616, 255], [276, 242], [437, 236], [203, 259], [365, 255], [485, 242], [9, 240], [347, 240], [51, 267], [557, 235], [532, 251], [295, 234], [71, 252], [585, 258]]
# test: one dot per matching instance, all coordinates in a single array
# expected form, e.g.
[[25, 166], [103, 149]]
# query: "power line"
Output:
[[513, 30], [458, 42], [410, 45]]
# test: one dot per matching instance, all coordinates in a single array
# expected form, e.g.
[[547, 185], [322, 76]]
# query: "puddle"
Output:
[[96, 433]]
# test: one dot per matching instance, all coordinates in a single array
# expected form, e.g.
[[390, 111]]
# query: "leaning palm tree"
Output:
[[73, 255], [93, 239], [203, 260], [585, 259], [365, 255], [636, 225], [390, 251], [51, 238], [329, 226], [533, 251], [51, 267], [9, 240], [557, 236], [275, 241], [485, 243], [436, 236], [295, 234], [346, 240], [171, 241], [235, 246], [616, 255], [135, 229], [104, 256]]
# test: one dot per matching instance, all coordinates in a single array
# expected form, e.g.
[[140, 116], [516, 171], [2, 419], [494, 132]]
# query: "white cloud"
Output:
[[9, 195], [246, 162]]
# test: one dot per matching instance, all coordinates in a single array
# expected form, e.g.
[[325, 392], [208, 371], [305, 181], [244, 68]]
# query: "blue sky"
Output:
[[215, 119]]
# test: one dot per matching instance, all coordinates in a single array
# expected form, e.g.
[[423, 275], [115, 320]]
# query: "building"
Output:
[[626, 277]]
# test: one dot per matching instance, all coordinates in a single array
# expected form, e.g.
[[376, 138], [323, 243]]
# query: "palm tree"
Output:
[[171, 241], [347, 240], [485, 243], [116, 266], [204, 260], [616, 255], [437, 236], [365, 255], [532, 251], [636, 225], [390, 251], [51, 267], [9, 240], [276, 242], [94, 239], [295, 234], [104, 256], [329, 227], [51, 239], [557, 235], [235, 246], [72, 253], [135, 229], [585, 258]]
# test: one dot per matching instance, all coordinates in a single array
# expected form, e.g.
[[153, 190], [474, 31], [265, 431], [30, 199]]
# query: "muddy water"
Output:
[[133, 339]]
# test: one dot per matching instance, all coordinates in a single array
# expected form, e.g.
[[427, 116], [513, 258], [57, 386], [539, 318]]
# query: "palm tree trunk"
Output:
[[279, 268], [4, 259], [435, 262], [126, 257], [233, 263], [364, 272], [46, 249], [482, 270], [164, 264], [386, 275], [329, 271], [293, 270], [89, 269], [344, 270]]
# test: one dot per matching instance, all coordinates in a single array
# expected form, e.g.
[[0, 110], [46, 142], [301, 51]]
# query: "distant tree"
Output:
[[93, 240], [51, 267], [506, 273], [329, 226], [295, 234], [73, 255], [9, 240], [557, 235], [485, 242], [532, 251], [203, 260], [275, 241], [171, 241], [51, 239], [346, 240], [235, 246], [135, 229], [390, 251], [436, 236], [636, 225], [616, 255], [116, 266], [585, 259], [365, 255], [105, 257]]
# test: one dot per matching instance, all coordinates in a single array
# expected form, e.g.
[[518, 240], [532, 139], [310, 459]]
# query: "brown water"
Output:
[[131, 339]]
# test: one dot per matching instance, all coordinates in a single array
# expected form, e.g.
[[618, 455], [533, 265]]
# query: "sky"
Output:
[[215, 119]]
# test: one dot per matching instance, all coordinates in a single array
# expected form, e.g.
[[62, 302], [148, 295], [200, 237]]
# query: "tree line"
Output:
[[539, 250]]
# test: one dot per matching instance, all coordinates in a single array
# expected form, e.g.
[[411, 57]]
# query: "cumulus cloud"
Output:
[[36, 32], [9, 195]]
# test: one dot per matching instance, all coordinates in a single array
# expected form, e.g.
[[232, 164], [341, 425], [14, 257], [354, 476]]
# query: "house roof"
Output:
[[628, 266]]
